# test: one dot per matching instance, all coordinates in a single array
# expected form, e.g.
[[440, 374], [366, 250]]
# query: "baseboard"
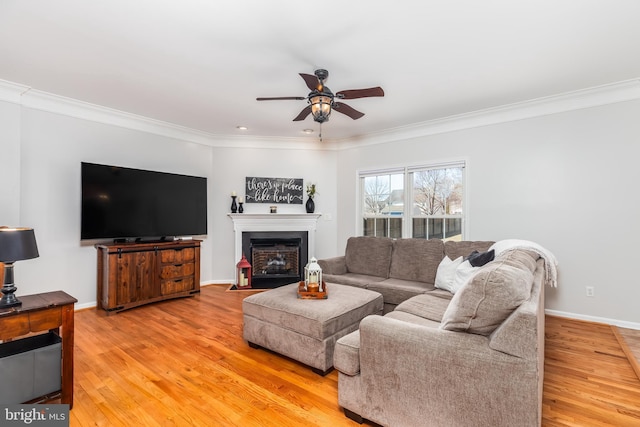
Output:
[[85, 306], [217, 282], [595, 319]]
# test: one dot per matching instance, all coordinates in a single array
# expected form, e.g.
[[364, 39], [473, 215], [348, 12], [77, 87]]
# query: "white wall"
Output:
[[566, 181], [9, 163], [232, 165], [52, 148], [41, 156]]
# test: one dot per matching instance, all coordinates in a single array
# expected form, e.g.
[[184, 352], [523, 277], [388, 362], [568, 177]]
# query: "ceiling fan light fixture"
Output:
[[321, 107]]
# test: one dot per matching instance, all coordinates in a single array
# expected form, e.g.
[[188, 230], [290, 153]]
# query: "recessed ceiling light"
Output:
[[308, 131], [242, 127]]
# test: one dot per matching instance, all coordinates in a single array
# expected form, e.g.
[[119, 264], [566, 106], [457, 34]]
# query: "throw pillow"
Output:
[[446, 273], [478, 259], [464, 271], [488, 299]]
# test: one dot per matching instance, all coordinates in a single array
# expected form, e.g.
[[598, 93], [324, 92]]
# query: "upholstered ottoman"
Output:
[[303, 329]]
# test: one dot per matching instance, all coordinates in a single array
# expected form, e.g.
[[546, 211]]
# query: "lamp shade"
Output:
[[321, 107], [17, 244]]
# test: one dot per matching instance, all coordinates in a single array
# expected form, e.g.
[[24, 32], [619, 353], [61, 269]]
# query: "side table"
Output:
[[49, 311]]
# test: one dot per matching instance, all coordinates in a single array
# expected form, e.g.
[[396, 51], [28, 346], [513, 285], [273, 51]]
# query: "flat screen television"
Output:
[[133, 204]]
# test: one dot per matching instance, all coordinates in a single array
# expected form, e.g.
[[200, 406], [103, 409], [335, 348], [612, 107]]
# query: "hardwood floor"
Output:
[[184, 363], [629, 340], [588, 379]]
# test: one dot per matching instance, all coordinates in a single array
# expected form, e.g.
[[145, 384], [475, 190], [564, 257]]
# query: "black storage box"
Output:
[[30, 368]]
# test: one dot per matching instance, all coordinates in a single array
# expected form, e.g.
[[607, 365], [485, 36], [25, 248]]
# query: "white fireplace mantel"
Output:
[[274, 222]]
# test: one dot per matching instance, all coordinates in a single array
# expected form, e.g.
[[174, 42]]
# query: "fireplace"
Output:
[[277, 257], [303, 226]]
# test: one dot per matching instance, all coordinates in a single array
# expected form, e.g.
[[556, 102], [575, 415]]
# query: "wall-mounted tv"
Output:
[[132, 204]]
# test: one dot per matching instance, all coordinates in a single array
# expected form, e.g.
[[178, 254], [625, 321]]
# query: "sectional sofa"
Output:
[[474, 356]]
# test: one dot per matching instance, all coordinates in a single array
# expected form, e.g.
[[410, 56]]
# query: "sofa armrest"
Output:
[[335, 265], [441, 375]]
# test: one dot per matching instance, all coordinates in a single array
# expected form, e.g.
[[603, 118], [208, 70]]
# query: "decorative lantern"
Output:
[[243, 273], [313, 276]]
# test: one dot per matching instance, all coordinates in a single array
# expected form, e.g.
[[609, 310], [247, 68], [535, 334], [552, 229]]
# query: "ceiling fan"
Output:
[[322, 101]]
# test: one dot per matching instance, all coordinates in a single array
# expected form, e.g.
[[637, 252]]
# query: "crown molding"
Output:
[[585, 98], [44, 101], [12, 92]]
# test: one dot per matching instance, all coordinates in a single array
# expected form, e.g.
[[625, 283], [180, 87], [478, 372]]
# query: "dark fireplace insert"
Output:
[[277, 257]]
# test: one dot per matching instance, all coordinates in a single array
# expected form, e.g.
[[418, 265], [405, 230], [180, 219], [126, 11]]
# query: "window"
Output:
[[433, 203], [383, 204]]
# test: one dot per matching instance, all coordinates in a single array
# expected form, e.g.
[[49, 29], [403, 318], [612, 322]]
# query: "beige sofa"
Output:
[[397, 268], [438, 359]]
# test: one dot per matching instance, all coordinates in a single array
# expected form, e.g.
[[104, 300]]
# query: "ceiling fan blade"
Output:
[[312, 81], [360, 93], [345, 109], [303, 114], [279, 98]]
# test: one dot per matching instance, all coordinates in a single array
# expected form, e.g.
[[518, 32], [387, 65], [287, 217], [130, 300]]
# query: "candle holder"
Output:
[[240, 208], [243, 275], [234, 205]]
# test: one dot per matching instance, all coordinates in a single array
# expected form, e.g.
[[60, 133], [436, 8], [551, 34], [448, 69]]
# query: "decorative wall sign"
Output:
[[274, 190]]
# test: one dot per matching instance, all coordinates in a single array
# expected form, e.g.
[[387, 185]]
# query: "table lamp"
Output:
[[16, 244]]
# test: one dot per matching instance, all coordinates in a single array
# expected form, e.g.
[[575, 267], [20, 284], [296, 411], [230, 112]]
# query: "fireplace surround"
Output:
[[290, 229]]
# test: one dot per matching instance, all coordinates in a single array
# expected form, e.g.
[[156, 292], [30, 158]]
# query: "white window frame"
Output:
[[407, 215], [360, 195]]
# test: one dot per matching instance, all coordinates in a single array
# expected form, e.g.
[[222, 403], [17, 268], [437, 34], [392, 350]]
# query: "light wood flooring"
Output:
[[629, 340], [184, 363]]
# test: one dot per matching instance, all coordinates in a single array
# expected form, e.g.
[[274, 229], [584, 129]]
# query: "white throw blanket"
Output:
[[550, 261]]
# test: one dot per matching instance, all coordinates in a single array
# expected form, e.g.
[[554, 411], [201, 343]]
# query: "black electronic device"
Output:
[[133, 204]]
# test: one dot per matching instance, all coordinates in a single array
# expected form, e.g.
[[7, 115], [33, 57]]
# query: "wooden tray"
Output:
[[302, 294]]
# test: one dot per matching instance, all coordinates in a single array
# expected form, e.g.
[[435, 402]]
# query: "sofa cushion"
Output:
[[520, 258], [446, 273], [394, 291], [369, 255], [335, 265], [416, 259], [441, 293], [493, 293], [428, 306], [412, 318], [456, 249], [351, 279]]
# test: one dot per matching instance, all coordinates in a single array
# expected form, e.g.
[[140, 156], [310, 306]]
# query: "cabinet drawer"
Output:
[[175, 286], [177, 255], [177, 270], [45, 319], [14, 326], [25, 323]]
